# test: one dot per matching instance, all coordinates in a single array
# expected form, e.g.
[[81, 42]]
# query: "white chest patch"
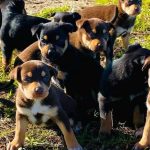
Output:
[[121, 30], [37, 108]]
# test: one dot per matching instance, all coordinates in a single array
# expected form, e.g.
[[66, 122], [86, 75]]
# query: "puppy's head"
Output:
[[68, 17], [131, 7], [17, 6], [34, 79], [53, 39], [94, 36]]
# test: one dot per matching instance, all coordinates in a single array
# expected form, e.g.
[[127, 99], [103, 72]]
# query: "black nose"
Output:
[[137, 9], [39, 90]]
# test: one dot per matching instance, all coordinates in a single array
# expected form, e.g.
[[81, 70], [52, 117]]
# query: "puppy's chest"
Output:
[[38, 113]]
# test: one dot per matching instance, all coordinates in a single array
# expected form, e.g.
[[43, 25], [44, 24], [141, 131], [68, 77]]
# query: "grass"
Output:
[[42, 138], [47, 12]]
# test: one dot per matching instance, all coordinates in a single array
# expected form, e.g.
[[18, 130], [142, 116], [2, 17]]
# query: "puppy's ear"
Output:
[[82, 23], [53, 71], [68, 27], [76, 16], [146, 63], [35, 30], [15, 74]]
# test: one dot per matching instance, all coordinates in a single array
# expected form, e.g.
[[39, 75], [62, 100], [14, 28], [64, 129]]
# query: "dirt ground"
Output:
[[34, 6]]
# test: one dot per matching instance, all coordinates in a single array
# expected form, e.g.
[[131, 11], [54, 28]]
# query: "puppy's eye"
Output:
[[44, 41], [27, 79], [46, 78]]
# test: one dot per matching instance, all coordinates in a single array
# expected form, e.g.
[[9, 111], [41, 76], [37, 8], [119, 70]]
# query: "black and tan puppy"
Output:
[[38, 101], [15, 32], [69, 17], [128, 79], [95, 38], [122, 16]]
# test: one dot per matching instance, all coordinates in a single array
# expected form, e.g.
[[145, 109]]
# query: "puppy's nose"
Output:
[[137, 9], [39, 90]]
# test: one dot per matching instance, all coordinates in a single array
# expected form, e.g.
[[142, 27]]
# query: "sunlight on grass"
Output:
[[47, 12]]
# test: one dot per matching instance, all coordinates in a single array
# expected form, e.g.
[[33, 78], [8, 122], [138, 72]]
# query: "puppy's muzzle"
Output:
[[39, 90]]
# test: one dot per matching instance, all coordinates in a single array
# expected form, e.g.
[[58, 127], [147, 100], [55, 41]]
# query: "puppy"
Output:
[[18, 5], [122, 16], [15, 32], [38, 101], [95, 38], [69, 17], [128, 79]]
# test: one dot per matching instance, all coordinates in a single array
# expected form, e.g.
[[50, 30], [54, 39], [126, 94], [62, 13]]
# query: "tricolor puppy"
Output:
[[122, 16], [38, 101], [95, 38]]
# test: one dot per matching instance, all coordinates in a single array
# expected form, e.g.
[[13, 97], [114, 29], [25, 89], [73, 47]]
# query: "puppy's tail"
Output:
[[5, 85]]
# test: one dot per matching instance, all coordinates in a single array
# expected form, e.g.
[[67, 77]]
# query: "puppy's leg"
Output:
[[6, 58], [21, 126], [70, 139], [145, 140], [138, 117], [106, 124], [105, 115], [125, 40]]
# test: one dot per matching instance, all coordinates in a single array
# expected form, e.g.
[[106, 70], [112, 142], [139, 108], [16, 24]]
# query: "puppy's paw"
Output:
[[13, 145]]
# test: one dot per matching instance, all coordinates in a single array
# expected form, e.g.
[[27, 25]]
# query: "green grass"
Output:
[[47, 12]]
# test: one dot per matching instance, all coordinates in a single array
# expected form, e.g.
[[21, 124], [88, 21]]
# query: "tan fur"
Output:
[[29, 90], [69, 136], [145, 140]]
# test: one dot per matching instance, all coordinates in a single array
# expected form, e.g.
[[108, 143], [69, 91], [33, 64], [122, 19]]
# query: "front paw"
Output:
[[13, 145]]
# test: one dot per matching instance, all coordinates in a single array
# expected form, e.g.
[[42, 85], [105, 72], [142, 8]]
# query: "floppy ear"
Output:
[[146, 63], [68, 27], [82, 23], [53, 71], [76, 16], [15, 73], [36, 29]]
